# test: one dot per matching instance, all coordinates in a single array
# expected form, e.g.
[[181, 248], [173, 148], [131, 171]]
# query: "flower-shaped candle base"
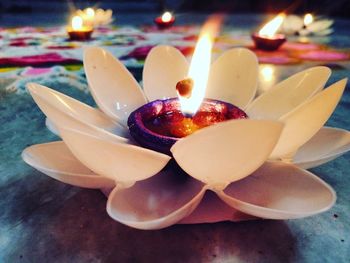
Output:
[[249, 164]]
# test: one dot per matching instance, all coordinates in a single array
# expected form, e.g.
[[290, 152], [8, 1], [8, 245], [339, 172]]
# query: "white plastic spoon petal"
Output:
[[288, 94], [164, 67], [324, 32], [280, 191], [320, 25], [233, 77], [123, 163], [60, 119], [292, 24], [226, 152], [328, 144], [212, 209], [114, 89], [55, 160], [306, 120], [64, 111], [52, 127], [158, 202]]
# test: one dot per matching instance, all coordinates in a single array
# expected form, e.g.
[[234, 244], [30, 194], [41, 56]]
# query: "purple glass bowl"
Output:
[[268, 44], [161, 143]]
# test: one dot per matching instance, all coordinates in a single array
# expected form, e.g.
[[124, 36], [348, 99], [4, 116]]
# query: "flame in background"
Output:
[[77, 22], [90, 12], [270, 29], [200, 65], [308, 19], [166, 17]]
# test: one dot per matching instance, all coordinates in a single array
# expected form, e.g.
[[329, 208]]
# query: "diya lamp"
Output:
[[267, 38], [79, 31], [165, 21], [161, 123]]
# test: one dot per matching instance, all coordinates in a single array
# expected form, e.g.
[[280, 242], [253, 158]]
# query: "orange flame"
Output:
[[90, 12], [77, 22], [308, 19], [270, 29], [200, 66], [166, 17]]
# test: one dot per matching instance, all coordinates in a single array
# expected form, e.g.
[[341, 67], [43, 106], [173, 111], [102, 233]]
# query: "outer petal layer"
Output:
[[212, 209], [233, 77], [288, 94], [326, 145], [67, 112], [280, 191], [55, 160], [123, 163], [158, 202], [226, 152], [164, 67], [114, 89], [307, 119]]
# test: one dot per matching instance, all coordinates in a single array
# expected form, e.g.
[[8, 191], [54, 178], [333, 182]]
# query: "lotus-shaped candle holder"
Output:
[[95, 18], [233, 170], [307, 25]]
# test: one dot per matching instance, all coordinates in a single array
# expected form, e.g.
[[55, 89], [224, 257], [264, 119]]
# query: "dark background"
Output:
[[340, 8]]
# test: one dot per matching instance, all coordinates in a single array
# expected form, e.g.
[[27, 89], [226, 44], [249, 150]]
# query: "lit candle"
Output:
[[165, 21], [159, 124], [77, 31], [267, 38]]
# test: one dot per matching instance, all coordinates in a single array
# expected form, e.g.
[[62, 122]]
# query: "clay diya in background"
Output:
[[165, 21], [267, 38], [78, 31]]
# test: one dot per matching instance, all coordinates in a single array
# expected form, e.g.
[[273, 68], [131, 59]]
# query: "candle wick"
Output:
[[184, 87], [187, 115]]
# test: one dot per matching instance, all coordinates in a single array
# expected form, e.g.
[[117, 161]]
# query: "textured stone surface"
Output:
[[43, 220]]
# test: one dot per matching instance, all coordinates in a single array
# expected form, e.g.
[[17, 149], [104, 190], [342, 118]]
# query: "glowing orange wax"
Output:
[[175, 124]]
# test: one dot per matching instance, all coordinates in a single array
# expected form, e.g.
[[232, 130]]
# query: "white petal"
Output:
[[114, 89], [324, 146], [292, 24], [158, 202], [324, 32], [307, 119], [164, 67], [55, 160], [67, 112], [228, 151], [280, 191], [288, 94], [233, 77], [51, 126], [212, 209], [123, 163], [320, 25]]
